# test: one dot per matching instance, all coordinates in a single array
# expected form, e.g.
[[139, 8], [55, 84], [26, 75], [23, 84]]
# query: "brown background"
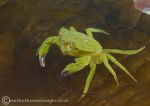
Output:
[[24, 24]]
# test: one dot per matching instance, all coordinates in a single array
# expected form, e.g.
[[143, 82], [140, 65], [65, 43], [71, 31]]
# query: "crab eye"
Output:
[[42, 61]]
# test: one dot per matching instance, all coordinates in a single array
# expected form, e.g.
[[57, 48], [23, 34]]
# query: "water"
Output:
[[24, 24]]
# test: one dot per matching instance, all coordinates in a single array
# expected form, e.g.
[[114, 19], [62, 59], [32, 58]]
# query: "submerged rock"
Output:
[[7, 59]]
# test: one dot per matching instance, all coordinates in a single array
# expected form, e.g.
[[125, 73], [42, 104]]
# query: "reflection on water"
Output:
[[24, 24]]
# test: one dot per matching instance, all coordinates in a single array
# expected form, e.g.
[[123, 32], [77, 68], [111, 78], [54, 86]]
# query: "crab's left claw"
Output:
[[43, 49], [42, 52], [42, 61]]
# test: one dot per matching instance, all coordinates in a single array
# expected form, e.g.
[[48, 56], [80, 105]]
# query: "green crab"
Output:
[[87, 51]]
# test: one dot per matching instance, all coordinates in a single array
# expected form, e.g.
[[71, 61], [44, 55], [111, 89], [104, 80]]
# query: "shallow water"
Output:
[[24, 24]]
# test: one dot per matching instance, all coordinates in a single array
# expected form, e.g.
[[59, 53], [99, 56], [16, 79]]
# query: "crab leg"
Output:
[[105, 61], [73, 29], [120, 66], [75, 67], [127, 52], [90, 30], [43, 49], [89, 79]]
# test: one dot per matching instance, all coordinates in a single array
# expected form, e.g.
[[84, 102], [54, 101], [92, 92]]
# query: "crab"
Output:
[[86, 50]]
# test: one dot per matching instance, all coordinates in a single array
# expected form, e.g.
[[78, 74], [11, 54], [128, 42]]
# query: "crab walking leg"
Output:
[[90, 30], [89, 79], [43, 49], [75, 67], [73, 29], [110, 57], [127, 52], [105, 61]]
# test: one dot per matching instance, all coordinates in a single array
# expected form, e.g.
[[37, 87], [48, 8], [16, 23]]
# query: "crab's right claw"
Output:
[[42, 52]]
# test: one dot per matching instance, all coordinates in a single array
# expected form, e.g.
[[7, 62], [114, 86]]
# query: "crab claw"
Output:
[[42, 52], [64, 73], [42, 61]]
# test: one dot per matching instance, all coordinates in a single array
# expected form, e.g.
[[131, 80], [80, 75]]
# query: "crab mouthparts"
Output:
[[42, 61]]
